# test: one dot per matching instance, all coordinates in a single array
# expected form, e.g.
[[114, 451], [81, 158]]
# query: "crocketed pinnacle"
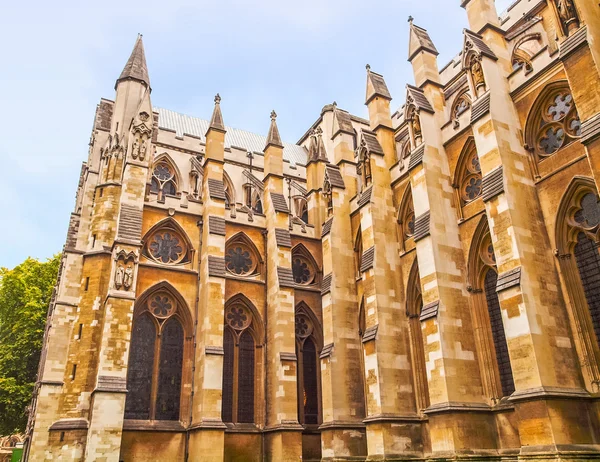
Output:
[[136, 68], [216, 121], [273, 138]]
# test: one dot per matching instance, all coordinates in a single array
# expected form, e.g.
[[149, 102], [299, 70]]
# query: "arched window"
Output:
[[406, 218], [164, 178], [308, 346], [241, 257], [358, 251], [487, 319], [229, 192], [301, 208], [468, 178], [241, 338], [167, 244], [461, 105], [524, 51], [154, 374], [414, 305], [252, 198], [304, 267], [553, 122], [577, 240]]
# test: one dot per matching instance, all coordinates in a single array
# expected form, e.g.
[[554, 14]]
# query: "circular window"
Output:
[[302, 271], [559, 124], [167, 247], [487, 252], [237, 317], [303, 326], [239, 260], [161, 305]]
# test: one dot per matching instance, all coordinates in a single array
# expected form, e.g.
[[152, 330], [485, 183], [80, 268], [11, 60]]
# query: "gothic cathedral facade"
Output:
[[424, 284]]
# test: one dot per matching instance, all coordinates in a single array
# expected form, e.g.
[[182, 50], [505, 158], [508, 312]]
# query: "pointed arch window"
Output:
[[252, 198], [414, 305], [554, 122], [304, 267], [164, 179], [240, 343], [406, 219], [358, 252], [461, 105], [241, 257], [308, 340], [154, 374], [301, 208], [468, 178], [483, 275], [167, 244]]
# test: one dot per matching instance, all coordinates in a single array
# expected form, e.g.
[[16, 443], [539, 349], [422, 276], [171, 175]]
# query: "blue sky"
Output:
[[61, 57]]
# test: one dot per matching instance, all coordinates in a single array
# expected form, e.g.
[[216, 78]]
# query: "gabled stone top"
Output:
[[216, 121], [419, 40], [473, 40], [136, 68], [370, 142], [376, 86], [273, 138], [416, 96]]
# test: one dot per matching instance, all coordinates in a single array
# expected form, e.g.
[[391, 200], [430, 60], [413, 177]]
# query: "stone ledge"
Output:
[[416, 157], [214, 350], [69, 424], [242, 428], [456, 406], [370, 333], [285, 426], [210, 424], [111, 384], [590, 130], [396, 418], [153, 425], [326, 351], [429, 311], [283, 356], [342, 425], [549, 393]]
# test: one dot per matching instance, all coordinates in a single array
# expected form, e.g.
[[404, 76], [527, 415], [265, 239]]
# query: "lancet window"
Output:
[[554, 123], [308, 345], [154, 374], [241, 337], [406, 218], [468, 178], [164, 179]]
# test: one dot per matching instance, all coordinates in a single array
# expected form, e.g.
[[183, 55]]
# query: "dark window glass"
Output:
[[246, 379], [169, 188], [227, 400], [169, 375], [304, 216], [588, 263], [309, 370], [258, 207], [154, 186], [139, 373], [506, 377]]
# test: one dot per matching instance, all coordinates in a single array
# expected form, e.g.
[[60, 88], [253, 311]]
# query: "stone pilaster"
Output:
[[542, 353], [207, 428], [342, 431], [283, 437]]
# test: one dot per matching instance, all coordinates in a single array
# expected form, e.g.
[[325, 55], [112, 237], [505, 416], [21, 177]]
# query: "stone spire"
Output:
[[273, 137], [136, 68], [216, 121], [376, 86], [419, 40], [316, 149]]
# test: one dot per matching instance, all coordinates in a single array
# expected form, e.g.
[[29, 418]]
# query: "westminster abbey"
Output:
[[424, 284]]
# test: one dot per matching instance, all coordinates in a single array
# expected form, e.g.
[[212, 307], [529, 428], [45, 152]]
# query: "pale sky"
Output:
[[61, 57]]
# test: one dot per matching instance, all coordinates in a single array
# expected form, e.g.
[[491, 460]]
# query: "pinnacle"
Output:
[[136, 68], [216, 121], [419, 40], [273, 137]]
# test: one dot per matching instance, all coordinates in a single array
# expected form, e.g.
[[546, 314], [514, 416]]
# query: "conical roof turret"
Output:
[[136, 67]]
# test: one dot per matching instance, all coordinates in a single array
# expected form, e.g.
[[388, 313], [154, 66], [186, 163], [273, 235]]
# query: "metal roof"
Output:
[[183, 124]]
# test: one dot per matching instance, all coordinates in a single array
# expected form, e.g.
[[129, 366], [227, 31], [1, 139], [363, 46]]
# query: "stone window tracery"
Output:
[[468, 180], [167, 246], [301, 208], [164, 179], [308, 341], [555, 124], [239, 362], [154, 374], [241, 258], [304, 269], [406, 219], [461, 105]]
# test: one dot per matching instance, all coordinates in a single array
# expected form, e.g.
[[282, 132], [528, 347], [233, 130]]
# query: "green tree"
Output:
[[25, 293]]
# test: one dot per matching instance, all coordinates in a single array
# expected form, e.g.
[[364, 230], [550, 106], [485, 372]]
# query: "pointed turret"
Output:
[[216, 121], [380, 119], [422, 54], [419, 40], [136, 68], [316, 151], [273, 137], [376, 86], [215, 135]]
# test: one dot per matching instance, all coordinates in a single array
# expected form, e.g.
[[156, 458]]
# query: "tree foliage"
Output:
[[25, 293]]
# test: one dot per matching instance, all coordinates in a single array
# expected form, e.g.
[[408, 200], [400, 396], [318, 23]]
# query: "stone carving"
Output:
[[477, 75], [416, 126], [568, 15], [124, 271]]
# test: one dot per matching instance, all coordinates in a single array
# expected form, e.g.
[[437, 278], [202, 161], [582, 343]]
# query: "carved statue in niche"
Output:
[[135, 148], [416, 127], [568, 15], [477, 75], [125, 264]]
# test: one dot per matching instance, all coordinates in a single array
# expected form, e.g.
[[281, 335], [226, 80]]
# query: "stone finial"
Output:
[[368, 67], [216, 121], [136, 68], [410, 19], [217, 99], [273, 138]]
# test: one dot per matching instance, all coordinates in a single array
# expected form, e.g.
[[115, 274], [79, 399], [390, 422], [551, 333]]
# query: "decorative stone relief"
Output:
[[568, 15], [124, 270]]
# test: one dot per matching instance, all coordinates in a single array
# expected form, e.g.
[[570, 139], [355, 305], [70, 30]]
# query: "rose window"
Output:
[[239, 260], [302, 271], [166, 247], [161, 305], [238, 317], [559, 124], [303, 326], [589, 215], [163, 179], [471, 187]]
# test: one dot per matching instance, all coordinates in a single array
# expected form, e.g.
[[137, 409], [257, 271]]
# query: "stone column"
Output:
[[207, 437], [283, 433]]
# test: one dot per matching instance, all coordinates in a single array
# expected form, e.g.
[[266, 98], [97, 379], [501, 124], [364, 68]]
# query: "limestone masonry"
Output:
[[423, 285]]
